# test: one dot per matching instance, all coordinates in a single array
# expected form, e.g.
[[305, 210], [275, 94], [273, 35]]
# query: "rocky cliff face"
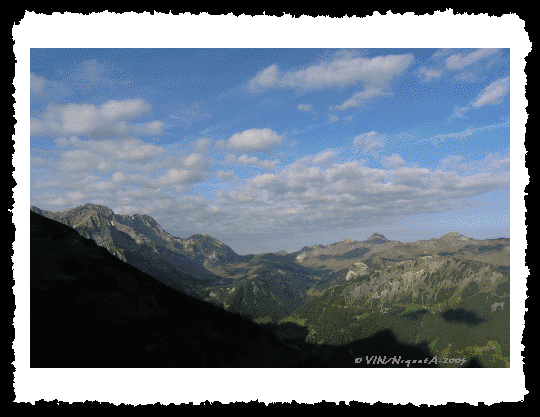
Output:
[[142, 242]]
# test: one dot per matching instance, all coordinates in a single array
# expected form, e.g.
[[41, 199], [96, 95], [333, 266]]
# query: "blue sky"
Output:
[[270, 149]]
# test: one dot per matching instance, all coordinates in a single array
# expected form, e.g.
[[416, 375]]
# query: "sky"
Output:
[[275, 149]]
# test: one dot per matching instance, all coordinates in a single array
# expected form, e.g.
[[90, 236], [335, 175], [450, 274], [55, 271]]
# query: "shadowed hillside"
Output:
[[91, 309]]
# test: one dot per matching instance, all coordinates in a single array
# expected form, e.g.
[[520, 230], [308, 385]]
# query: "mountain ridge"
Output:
[[205, 267], [368, 278]]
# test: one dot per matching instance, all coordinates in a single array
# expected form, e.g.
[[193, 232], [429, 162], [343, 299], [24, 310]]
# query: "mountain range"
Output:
[[446, 297]]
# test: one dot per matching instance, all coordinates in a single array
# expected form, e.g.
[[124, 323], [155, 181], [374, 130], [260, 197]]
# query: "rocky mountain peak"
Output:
[[376, 238], [102, 210]]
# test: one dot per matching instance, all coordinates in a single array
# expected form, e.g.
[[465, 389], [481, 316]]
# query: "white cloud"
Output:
[[493, 93], [305, 107], [151, 128], [324, 157], [266, 78], [107, 120], [466, 77], [442, 52], [174, 176], [369, 141], [455, 135], [458, 61], [121, 171], [459, 112], [254, 140], [332, 118], [202, 144], [252, 161], [82, 160], [37, 84], [244, 195], [41, 87], [57, 202], [130, 149], [428, 74], [343, 71], [394, 161], [360, 99], [93, 74], [225, 175], [301, 197]]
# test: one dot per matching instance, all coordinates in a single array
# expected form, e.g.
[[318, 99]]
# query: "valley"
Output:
[[446, 297]]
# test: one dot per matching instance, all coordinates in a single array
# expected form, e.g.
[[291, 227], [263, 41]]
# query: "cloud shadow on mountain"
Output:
[[460, 315]]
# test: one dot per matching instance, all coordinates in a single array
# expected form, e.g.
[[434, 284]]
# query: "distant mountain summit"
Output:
[[376, 239], [455, 236], [139, 240]]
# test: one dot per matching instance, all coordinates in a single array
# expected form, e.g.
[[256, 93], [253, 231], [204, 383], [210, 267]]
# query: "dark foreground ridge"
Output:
[[91, 309]]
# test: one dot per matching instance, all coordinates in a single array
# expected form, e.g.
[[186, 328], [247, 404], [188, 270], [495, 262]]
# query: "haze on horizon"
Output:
[[276, 149]]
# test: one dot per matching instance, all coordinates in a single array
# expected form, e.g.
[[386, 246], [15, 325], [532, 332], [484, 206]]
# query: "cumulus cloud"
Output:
[[202, 144], [225, 175], [130, 149], [37, 83], [83, 160], [394, 161], [324, 157], [254, 140], [369, 141], [42, 88], [302, 197], [178, 176], [252, 161], [342, 71], [120, 171], [107, 120]]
